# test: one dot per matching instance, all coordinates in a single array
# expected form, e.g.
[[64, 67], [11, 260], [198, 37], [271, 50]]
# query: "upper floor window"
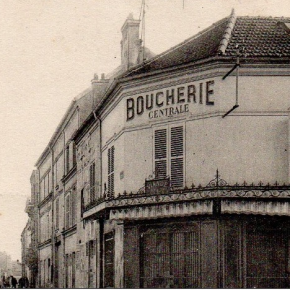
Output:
[[57, 214], [70, 209], [92, 181], [169, 154], [70, 156], [45, 186], [111, 169]]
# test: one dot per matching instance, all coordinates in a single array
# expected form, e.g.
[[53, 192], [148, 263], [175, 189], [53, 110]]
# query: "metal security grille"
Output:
[[266, 260], [170, 257]]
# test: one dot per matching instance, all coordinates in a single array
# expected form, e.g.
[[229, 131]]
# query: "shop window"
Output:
[[170, 257], [169, 154], [111, 169]]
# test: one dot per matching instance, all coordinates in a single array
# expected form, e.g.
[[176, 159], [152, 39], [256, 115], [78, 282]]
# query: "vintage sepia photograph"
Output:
[[145, 144]]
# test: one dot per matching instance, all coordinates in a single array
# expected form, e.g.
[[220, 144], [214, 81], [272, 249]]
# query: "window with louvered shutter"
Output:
[[92, 181], [176, 156], [57, 214], [160, 146], [111, 168], [73, 207], [67, 210]]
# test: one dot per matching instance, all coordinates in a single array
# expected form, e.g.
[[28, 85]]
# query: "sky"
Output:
[[49, 52]]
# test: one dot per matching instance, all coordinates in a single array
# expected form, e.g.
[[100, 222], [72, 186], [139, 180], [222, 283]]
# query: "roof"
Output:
[[258, 37]]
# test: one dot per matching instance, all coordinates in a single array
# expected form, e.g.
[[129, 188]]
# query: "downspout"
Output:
[[101, 221], [64, 213], [39, 232], [52, 220]]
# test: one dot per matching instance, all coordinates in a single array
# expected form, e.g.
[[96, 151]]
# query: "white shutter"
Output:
[[176, 156]]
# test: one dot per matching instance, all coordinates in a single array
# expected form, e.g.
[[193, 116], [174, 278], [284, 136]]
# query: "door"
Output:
[[170, 257]]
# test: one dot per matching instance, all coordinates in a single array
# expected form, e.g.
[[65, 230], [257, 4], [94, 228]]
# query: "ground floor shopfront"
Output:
[[213, 237], [207, 252]]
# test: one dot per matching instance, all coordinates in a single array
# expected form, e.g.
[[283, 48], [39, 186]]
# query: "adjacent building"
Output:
[[173, 171]]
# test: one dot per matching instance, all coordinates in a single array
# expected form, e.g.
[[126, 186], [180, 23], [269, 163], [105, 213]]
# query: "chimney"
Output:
[[99, 87], [130, 43]]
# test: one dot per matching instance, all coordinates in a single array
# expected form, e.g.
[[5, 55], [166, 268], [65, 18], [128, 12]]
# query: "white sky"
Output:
[[49, 52]]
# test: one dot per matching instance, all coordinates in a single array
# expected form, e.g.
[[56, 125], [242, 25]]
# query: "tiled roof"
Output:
[[258, 37]]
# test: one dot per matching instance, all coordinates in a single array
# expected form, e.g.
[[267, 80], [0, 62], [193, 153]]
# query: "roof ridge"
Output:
[[176, 46], [263, 17], [228, 32]]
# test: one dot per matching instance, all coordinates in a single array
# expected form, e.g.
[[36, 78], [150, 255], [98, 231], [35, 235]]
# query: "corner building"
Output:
[[182, 168], [191, 198]]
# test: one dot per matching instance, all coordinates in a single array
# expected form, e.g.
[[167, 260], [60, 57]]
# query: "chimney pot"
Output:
[[102, 76], [96, 77]]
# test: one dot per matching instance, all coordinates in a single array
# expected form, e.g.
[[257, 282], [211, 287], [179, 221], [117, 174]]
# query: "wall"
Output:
[[251, 144]]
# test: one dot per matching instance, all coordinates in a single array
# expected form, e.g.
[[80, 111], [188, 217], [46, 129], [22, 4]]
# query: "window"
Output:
[[111, 168], [74, 153], [92, 181], [67, 156], [73, 207], [70, 155], [67, 211], [70, 209], [169, 154], [57, 214]]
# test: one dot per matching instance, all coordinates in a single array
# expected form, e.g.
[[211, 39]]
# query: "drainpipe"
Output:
[[101, 221], [52, 220], [63, 237]]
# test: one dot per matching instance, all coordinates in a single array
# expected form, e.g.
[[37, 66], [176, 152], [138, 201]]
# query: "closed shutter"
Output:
[[57, 213], [92, 182], [160, 146], [73, 205], [67, 209], [176, 162], [111, 169]]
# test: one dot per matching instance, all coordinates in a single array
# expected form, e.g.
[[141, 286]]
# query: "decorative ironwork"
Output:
[[217, 181]]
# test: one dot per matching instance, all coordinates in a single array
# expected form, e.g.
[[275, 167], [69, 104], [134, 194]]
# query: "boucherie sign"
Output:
[[171, 101]]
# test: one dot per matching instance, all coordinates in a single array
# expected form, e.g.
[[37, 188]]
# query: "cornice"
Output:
[[69, 175], [45, 201], [70, 231], [44, 244]]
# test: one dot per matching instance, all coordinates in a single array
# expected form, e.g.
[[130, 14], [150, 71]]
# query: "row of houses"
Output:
[[173, 171]]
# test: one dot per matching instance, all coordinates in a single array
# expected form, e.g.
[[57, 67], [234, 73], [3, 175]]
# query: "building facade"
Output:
[[174, 172]]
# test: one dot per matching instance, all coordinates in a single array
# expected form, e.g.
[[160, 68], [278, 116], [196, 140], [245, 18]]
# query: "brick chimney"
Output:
[[130, 43], [99, 87]]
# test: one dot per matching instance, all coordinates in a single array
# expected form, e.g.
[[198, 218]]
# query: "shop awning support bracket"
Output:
[[235, 67]]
